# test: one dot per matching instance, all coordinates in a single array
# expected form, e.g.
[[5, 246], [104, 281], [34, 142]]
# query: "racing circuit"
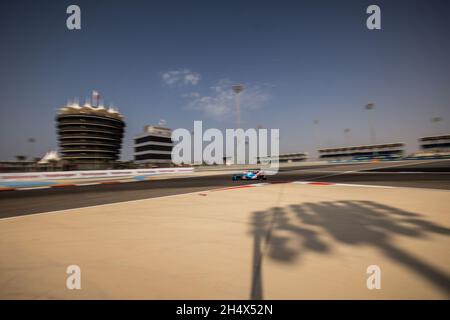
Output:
[[433, 174], [309, 232]]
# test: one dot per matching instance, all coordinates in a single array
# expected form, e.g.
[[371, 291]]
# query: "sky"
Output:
[[175, 62]]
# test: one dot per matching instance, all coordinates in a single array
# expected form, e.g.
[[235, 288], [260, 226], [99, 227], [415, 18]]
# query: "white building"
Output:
[[153, 146], [49, 157]]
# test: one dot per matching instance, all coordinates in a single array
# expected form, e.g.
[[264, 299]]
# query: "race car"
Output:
[[254, 174]]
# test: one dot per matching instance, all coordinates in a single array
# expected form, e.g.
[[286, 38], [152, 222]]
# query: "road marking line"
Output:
[[34, 188], [410, 172], [372, 172], [87, 184], [318, 183], [364, 185], [62, 185]]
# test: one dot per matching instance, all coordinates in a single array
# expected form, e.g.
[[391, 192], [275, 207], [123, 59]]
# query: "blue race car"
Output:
[[254, 174]]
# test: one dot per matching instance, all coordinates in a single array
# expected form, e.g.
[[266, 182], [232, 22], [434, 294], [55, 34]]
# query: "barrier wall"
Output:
[[90, 174]]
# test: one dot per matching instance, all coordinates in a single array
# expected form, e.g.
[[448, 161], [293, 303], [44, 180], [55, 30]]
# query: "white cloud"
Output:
[[191, 78], [180, 77], [220, 102]]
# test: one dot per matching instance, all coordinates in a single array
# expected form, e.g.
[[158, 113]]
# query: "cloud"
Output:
[[191, 95], [220, 101], [191, 78], [180, 77]]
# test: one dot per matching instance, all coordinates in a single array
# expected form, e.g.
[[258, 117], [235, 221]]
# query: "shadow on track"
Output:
[[348, 222]]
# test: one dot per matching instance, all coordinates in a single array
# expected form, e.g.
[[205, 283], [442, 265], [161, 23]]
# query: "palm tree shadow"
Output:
[[265, 223], [284, 234]]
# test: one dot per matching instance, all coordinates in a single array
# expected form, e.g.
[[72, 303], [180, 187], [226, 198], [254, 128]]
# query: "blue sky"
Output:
[[175, 60]]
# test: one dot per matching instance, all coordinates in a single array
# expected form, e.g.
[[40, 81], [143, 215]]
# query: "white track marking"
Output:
[[412, 172], [34, 188], [364, 185], [375, 172], [344, 184], [102, 205]]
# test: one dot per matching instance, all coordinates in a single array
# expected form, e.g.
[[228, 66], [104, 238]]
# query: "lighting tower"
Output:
[[436, 120], [369, 107], [238, 88]]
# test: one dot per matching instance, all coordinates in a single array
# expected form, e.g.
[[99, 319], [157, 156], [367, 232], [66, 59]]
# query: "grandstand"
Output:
[[286, 157], [436, 144], [386, 151], [434, 147]]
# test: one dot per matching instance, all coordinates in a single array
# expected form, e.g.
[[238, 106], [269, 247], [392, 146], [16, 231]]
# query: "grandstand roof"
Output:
[[439, 137], [363, 147]]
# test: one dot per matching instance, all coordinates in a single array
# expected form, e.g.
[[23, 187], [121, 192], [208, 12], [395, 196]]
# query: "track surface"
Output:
[[419, 174]]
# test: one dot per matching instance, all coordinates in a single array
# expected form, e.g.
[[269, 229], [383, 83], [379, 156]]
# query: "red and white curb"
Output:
[[312, 183], [63, 185], [235, 187], [7, 189]]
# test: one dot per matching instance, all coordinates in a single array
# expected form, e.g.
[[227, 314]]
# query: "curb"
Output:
[[7, 189], [56, 186], [311, 183]]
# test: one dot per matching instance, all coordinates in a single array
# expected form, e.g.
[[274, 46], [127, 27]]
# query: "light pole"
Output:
[[346, 136], [31, 141], [238, 88], [369, 107], [436, 120], [315, 139]]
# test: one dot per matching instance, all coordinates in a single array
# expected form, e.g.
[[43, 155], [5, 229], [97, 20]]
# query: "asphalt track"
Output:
[[416, 174]]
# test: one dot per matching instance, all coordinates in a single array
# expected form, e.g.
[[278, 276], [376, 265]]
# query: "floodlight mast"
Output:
[[238, 88], [436, 120], [369, 107]]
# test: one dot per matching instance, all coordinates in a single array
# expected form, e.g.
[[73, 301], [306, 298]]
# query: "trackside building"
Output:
[[153, 147], [90, 137], [386, 151]]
